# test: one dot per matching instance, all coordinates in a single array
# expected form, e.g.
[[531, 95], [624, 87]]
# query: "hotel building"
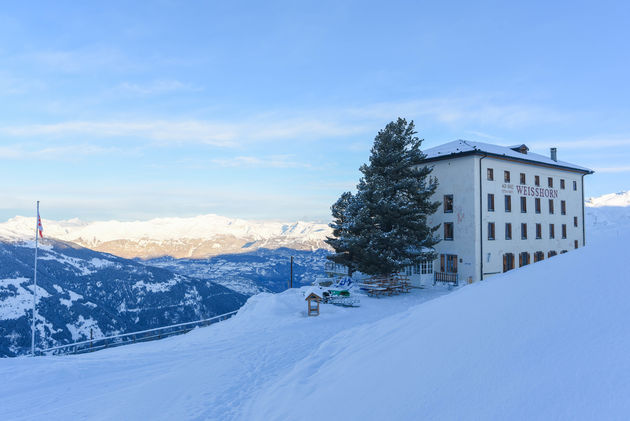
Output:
[[501, 208]]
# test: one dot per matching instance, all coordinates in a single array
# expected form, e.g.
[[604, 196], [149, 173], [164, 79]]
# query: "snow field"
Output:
[[207, 374]]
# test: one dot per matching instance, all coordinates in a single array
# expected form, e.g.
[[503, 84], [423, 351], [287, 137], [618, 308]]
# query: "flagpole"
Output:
[[35, 285]]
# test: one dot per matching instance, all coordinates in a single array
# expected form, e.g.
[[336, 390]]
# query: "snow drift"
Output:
[[548, 341]]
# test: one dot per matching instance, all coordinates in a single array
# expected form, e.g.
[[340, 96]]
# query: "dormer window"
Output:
[[520, 148]]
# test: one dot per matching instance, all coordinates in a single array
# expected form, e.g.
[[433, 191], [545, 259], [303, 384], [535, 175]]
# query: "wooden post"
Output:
[[291, 279]]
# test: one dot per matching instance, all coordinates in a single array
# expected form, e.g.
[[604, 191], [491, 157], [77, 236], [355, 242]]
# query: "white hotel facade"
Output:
[[501, 208]]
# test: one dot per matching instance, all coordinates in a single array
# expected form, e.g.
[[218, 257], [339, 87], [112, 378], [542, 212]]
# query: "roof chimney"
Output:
[[554, 154]]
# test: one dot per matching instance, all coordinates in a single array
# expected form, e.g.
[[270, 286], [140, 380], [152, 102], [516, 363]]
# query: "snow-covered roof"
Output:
[[458, 147], [314, 290]]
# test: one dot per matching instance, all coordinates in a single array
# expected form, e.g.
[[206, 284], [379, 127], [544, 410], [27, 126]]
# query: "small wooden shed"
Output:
[[313, 303]]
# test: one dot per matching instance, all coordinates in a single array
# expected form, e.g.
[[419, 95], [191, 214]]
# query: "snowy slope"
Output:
[[197, 237], [548, 341]]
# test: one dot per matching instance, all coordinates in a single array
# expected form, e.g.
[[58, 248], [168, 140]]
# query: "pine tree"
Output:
[[384, 226], [343, 241]]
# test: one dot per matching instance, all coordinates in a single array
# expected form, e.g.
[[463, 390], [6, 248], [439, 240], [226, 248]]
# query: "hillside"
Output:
[[249, 273], [81, 290], [548, 341], [197, 237]]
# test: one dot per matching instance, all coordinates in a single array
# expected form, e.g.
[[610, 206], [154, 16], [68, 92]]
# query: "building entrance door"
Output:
[[508, 262]]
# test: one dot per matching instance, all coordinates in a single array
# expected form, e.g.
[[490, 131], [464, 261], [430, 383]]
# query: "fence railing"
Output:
[[450, 278], [132, 337]]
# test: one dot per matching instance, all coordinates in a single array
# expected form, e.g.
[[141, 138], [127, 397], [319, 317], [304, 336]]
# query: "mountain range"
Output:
[[194, 238]]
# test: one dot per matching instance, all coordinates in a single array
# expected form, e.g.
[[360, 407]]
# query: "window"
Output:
[[490, 202], [508, 262], [408, 270], [552, 231], [490, 230], [550, 182], [508, 231], [523, 258], [551, 253], [538, 256], [562, 183], [564, 230], [537, 180], [523, 204], [522, 178], [537, 204], [416, 269], [538, 231], [448, 203], [427, 267], [576, 243], [574, 185], [448, 230], [551, 206], [506, 176], [563, 207], [508, 203], [448, 263], [575, 224], [524, 231], [490, 174]]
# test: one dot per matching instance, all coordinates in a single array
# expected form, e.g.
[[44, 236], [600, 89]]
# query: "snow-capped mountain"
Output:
[[81, 290], [613, 199], [607, 214], [196, 237]]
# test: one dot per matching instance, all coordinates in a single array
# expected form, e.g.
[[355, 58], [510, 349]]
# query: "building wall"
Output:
[[461, 177], [493, 250], [457, 177]]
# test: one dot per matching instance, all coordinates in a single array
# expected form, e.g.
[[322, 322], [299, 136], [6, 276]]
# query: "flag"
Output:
[[40, 228]]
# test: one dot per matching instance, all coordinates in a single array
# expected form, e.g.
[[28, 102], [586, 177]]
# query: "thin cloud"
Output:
[[466, 110], [79, 60], [612, 169], [64, 152], [301, 126], [157, 87], [588, 143], [195, 131], [275, 161]]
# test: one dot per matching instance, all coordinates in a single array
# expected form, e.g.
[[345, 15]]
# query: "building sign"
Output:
[[537, 192]]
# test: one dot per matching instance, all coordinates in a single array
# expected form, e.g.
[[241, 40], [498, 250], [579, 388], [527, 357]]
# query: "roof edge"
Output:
[[476, 151]]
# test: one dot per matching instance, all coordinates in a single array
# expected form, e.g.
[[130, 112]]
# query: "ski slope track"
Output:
[[547, 341]]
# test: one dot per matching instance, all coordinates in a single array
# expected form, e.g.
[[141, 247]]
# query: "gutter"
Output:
[[481, 218], [583, 220]]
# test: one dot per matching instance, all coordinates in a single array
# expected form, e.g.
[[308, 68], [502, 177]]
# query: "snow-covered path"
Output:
[[210, 373]]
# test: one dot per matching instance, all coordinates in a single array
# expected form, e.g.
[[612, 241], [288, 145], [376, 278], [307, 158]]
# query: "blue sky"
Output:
[[132, 110]]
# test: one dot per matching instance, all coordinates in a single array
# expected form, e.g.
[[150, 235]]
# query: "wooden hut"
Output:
[[313, 303]]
